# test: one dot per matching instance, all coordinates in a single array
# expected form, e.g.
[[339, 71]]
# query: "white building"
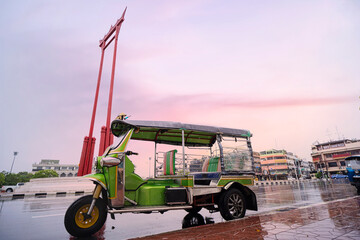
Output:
[[64, 170]]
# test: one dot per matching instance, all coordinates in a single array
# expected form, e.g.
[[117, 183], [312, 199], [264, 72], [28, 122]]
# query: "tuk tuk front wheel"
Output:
[[76, 221], [232, 204]]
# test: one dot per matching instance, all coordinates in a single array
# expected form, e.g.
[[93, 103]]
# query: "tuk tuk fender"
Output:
[[249, 195], [97, 178]]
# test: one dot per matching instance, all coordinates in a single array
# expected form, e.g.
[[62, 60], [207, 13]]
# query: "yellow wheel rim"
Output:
[[86, 223]]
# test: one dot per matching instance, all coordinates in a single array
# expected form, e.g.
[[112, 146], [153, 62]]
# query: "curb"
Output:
[[281, 182], [13, 196]]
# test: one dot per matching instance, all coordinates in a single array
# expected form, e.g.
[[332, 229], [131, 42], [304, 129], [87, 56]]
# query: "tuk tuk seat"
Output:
[[212, 165], [169, 162]]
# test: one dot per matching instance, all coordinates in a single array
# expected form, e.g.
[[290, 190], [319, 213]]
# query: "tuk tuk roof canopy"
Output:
[[171, 132], [353, 157]]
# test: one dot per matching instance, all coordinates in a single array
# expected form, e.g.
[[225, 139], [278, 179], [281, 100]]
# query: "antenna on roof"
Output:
[[337, 132]]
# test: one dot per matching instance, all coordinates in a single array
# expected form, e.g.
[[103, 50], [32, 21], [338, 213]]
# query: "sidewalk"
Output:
[[338, 219]]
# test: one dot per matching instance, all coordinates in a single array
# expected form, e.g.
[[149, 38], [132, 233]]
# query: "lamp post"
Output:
[[15, 153]]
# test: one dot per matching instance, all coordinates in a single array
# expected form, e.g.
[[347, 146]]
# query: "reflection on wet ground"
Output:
[[338, 219], [319, 210]]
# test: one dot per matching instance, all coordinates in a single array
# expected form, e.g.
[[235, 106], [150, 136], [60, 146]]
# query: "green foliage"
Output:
[[2, 178], [14, 178], [318, 175], [11, 179], [24, 176], [45, 174]]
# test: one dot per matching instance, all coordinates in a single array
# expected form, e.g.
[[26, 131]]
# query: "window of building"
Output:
[[71, 168], [332, 164], [63, 168], [47, 167], [63, 175], [342, 163], [57, 168], [328, 155]]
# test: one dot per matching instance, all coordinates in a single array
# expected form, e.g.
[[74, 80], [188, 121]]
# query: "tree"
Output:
[[319, 175], [45, 174], [24, 176], [11, 179], [2, 178]]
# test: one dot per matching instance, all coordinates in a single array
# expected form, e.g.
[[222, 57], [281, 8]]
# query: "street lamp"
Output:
[[15, 153]]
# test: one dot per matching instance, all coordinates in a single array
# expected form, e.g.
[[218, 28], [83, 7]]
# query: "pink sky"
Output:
[[286, 70]]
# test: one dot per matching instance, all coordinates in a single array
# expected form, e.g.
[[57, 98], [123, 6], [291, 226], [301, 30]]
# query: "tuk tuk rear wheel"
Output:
[[76, 222], [232, 204]]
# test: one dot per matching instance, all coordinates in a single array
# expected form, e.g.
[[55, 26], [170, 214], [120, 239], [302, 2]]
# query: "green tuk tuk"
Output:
[[195, 167]]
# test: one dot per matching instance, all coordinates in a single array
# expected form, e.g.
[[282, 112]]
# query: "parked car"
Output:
[[10, 189], [337, 176]]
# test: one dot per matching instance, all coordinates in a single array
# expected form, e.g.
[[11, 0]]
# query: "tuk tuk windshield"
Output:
[[237, 155], [354, 164]]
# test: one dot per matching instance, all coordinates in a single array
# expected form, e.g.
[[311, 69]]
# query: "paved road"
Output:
[[42, 218]]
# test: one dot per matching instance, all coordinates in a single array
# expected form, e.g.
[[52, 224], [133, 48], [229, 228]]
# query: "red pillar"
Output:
[[106, 138]]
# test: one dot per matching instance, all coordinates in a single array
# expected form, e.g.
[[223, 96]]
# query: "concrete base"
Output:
[[55, 185]]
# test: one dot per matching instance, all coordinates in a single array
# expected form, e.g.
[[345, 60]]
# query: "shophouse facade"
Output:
[[329, 157], [275, 164], [257, 165], [279, 164]]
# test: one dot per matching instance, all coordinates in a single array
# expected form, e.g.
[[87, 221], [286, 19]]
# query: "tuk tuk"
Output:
[[195, 167], [353, 170]]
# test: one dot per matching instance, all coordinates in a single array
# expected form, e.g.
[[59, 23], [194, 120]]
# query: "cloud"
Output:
[[217, 100]]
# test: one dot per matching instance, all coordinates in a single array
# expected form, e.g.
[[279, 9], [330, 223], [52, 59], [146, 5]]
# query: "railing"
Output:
[[234, 161]]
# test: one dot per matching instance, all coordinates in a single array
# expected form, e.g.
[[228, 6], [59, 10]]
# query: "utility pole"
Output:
[[15, 153]]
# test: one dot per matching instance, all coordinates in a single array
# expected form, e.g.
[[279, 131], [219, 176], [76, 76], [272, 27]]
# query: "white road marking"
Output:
[[51, 215]]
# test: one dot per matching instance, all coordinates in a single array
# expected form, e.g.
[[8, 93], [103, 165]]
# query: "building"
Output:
[[257, 165], [279, 164], [329, 157], [305, 168], [64, 170]]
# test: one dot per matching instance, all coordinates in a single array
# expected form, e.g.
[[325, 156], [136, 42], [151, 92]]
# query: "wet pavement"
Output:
[[338, 219], [284, 210]]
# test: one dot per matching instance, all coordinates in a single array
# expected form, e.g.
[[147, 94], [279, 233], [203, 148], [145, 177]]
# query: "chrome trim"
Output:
[[97, 181], [149, 209], [228, 185], [130, 201]]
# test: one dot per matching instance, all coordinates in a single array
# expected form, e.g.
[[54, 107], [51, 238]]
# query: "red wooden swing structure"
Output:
[[106, 138]]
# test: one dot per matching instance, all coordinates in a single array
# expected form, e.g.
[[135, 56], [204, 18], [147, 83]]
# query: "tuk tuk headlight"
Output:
[[356, 171], [110, 161]]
